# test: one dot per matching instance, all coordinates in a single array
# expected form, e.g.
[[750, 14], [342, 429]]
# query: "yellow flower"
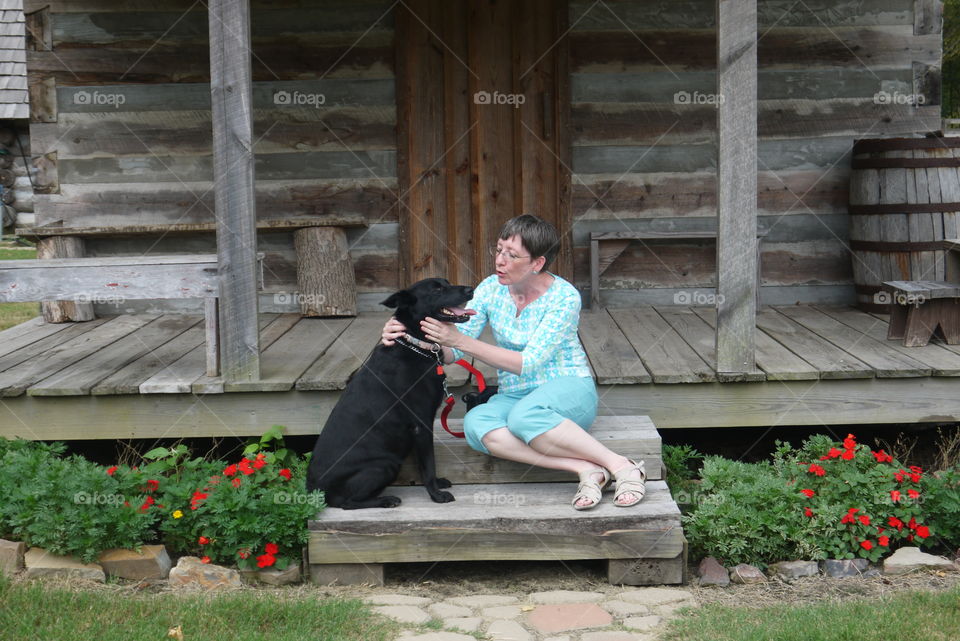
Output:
[[177, 514]]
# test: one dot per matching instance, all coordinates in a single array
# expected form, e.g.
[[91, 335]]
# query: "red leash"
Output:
[[450, 400]]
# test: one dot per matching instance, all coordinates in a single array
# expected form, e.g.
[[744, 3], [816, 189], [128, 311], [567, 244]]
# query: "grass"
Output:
[[917, 616], [15, 313], [33, 610]]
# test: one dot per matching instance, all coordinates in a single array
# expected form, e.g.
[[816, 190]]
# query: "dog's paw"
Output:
[[443, 482], [389, 501], [442, 497]]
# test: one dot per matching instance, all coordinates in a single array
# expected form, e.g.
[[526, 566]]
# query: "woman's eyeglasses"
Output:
[[496, 251]]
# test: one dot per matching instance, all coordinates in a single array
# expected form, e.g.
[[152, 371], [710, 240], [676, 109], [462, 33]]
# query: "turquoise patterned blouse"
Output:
[[545, 332]]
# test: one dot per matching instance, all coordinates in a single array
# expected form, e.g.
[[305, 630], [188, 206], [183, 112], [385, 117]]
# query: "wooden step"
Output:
[[633, 436], [510, 521]]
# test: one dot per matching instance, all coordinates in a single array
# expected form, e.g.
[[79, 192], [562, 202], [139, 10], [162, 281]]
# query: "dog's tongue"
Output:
[[460, 311]]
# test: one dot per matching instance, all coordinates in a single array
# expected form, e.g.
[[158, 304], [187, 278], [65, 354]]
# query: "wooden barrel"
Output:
[[904, 199]]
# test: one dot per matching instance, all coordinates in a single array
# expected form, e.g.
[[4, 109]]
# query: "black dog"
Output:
[[388, 409]]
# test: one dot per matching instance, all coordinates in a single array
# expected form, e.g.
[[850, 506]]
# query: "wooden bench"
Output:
[[605, 247], [509, 511], [919, 307], [93, 280]]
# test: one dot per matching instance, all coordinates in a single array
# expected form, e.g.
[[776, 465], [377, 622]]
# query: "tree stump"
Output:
[[63, 311], [325, 276]]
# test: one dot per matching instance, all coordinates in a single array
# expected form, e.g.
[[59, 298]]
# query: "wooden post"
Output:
[[63, 311], [736, 185], [325, 279], [231, 98]]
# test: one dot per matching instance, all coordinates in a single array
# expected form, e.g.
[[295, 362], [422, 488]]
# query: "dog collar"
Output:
[[423, 348]]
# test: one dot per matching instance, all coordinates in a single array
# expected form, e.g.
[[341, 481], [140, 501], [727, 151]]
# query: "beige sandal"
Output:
[[637, 487], [590, 489]]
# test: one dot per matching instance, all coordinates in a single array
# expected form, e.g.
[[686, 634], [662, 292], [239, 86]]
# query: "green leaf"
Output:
[[158, 452]]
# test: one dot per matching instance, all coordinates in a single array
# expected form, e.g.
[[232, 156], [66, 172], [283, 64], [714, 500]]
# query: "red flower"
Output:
[[111, 470], [895, 496], [285, 473], [923, 531], [235, 482], [807, 493], [146, 504], [912, 524], [895, 522], [204, 559], [152, 485], [834, 453], [230, 470], [245, 468], [265, 560], [884, 541], [866, 545], [271, 548], [882, 457], [847, 455], [259, 463], [807, 512], [816, 469], [909, 537], [899, 476], [203, 540], [916, 469], [915, 478], [850, 442], [243, 553], [913, 493], [864, 519], [198, 496], [848, 518]]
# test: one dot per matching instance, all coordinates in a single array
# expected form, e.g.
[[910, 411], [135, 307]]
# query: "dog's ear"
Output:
[[403, 297]]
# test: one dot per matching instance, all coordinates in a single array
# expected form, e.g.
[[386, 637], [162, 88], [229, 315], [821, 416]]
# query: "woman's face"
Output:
[[513, 263]]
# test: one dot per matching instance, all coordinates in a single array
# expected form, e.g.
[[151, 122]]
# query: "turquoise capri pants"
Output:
[[530, 413]]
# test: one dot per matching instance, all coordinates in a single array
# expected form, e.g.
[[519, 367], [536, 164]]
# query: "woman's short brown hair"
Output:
[[538, 237]]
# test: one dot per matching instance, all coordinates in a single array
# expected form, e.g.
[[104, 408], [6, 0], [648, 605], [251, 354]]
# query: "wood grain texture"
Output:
[[667, 357], [335, 366], [611, 355]]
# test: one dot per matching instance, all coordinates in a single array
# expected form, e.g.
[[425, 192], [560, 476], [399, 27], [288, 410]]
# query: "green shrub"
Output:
[[682, 463], [941, 506]]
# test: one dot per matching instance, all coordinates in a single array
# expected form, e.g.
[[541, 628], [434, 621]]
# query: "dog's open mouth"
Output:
[[455, 314]]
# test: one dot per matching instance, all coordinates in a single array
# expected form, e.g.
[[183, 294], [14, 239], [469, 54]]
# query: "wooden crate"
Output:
[[506, 511]]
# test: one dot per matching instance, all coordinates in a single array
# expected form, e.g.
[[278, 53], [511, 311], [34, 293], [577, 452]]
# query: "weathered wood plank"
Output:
[[15, 380], [702, 338], [179, 376], [635, 436], [831, 361], [29, 347], [611, 355], [127, 379], [942, 362], [776, 361], [233, 167], [737, 280], [23, 334], [664, 353], [95, 280], [284, 361], [83, 375], [885, 361], [332, 370]]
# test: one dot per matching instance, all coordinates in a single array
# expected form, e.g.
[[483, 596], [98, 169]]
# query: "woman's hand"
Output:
[[392, 330], [445, 334]]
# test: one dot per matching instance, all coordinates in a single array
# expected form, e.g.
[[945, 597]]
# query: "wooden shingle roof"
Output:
[[13, 61]]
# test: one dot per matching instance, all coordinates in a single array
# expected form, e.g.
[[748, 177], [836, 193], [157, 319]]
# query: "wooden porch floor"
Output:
[[640, 358]]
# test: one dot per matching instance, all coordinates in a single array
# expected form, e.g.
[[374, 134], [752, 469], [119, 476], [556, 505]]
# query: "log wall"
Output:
[[120, 109], [644, 154]]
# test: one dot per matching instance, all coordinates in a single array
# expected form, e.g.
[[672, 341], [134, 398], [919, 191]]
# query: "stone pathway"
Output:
[[632, 614]]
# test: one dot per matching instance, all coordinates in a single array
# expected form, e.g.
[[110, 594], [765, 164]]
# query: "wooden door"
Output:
[[482, 104]]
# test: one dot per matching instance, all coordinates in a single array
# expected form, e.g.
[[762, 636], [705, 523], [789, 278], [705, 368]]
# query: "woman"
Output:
[[546, 399]]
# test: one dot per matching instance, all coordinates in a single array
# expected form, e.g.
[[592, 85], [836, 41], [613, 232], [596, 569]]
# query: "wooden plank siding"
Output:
[[121, 126], [644, 135]]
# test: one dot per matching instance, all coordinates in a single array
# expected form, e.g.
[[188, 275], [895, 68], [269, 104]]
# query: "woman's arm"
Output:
[[448, 335]]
